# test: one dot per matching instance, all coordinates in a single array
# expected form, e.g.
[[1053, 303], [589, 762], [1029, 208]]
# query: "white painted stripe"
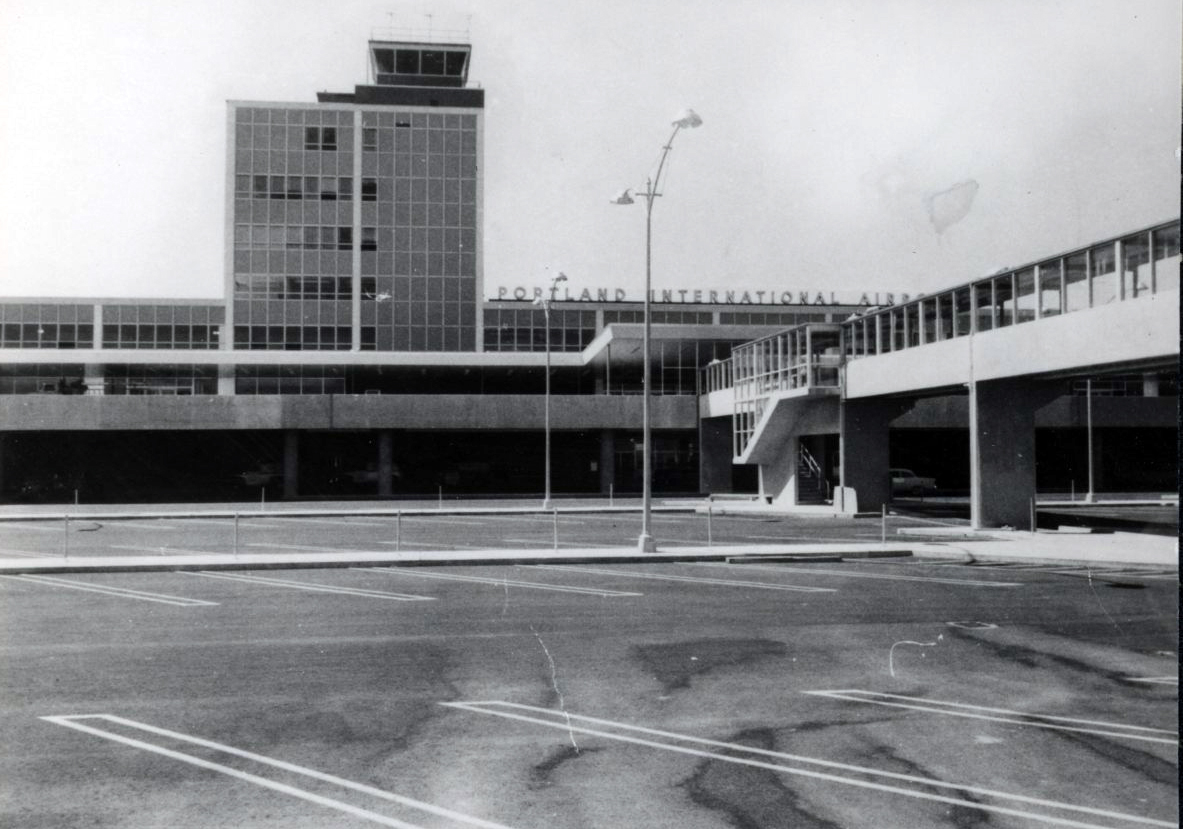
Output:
[[1003, 715], [135, 525], [244, 521], [548, 543], [443, 519], [567, 723], [804, 568], [430, 808], [1158, 680], [25, 525], [313, 548], [560, 588], [28, 553], [167, 551], [118, 592], [316, 588], [336, 522], [411, 545], [693, 579]]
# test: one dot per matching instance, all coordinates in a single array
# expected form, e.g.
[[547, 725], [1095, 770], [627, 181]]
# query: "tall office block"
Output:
[[355, 223]]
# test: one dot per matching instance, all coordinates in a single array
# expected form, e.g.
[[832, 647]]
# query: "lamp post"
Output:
[[545, 302], [687, 119]]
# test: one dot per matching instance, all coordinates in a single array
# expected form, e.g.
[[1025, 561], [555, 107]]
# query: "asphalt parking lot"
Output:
[[885, 693]]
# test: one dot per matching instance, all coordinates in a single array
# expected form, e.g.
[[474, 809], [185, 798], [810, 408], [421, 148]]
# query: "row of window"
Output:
[[287, 115], [319, 188], [160, 336], [184, 314], [302, 237], [44, 312], [293, 337], [294, 287], [451, 142], [768, 317], [46, 335]]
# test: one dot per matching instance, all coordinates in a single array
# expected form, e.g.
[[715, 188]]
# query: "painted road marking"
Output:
[[669, 741], [165, 550], [440, 520], [336, 522], [24, 525], [548, 543], [693, 579], [981, 712], [1155, 680], [118, 592], [244, 521], [29, 553], [411, 545], [135, 525], [561, 588], [316, 588], [71, 721], [854, 575]]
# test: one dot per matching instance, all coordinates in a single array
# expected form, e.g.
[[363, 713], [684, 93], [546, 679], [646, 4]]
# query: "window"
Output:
[[1104, 275], [369, 238], [328, 188], [1050, 296], [1025, 295], [369, 138], [345, 188], [344, 238], [1076, 286], [320, 138], [369, 189]]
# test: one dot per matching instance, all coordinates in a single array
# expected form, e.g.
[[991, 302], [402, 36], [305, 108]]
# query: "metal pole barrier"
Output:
[[66, 536], [75, 497], [1073, 496], [398, 530], [262, 498], [1032, 515], [236, 535], [710, 512], [555, 522], [611, 494], [883, 524], [440, 506]]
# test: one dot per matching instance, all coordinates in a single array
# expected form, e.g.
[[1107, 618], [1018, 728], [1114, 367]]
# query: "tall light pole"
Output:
[[545, 302], [686, 119]]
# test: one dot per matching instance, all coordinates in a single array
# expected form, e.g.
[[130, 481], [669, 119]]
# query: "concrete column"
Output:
[[385, 462], [1002, 449], [864, 453], [714, 473], [607, 460], [291, 463], [225, 380]]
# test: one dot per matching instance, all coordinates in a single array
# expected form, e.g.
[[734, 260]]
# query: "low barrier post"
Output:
[[66, 536], [710, 513], [555, 523], [236, 535], [883, 524], [398, 530]]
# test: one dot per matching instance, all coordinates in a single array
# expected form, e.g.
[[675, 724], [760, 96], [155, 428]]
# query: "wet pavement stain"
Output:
[[674, 664], [752, 798], [540, 774]]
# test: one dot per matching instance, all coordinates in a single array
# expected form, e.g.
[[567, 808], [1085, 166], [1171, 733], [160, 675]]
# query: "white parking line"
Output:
[[1155, 680], [548, 543], [560, 588], [244, 522], [316, 588], [27, 553], [25, 525], [135, 525], [1004, 715], [804, 568], [336, 522], [117, 592], [165, 550], [632, 574], [669, 741], [411, 545], [71, 721]]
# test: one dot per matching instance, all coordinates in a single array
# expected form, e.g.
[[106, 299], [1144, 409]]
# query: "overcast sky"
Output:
[[865, 145]]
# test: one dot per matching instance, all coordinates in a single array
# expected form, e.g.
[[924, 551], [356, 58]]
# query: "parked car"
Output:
[[262, 475], [907, 482]]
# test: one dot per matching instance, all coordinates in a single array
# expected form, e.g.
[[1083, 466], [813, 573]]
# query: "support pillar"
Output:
[[715, 466], [225, 381], [385, 462], [291, 463], [864, 455], [607, 460], [1002, 449]]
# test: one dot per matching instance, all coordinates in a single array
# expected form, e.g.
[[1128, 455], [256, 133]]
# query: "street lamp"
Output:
[[544, 302], [687, 119]]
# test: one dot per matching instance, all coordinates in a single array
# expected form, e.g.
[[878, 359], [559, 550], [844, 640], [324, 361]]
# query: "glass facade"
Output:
[[162, 326], [526, 329], [38, 325]]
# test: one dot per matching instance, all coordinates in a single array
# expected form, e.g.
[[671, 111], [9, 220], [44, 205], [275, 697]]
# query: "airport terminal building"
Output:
[[360, 350]]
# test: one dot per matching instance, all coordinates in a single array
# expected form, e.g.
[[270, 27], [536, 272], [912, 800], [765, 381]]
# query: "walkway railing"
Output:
[[1129, 267]]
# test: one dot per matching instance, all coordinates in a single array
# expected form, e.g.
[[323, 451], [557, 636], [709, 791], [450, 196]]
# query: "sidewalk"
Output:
[[1114, 549]]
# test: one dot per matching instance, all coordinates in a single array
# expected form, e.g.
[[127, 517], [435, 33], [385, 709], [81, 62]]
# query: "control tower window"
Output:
[[407, 62], [455, 65], [433, 63], [385, 60]]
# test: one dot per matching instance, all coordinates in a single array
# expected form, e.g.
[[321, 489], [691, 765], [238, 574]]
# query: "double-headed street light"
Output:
[[686, 119], [544, 302]]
